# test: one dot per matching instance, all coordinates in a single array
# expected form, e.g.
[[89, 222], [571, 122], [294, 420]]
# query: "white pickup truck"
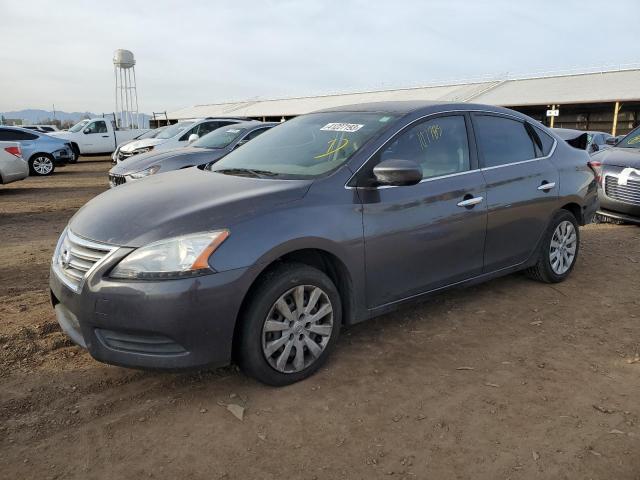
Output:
[[96, 135]]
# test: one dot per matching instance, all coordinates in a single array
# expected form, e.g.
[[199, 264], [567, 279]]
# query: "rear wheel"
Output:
[[290, 325], [41, 164], [558, 251]]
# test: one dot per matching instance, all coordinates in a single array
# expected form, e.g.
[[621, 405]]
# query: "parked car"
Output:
[[618, 170], [206, 150], [96, 135], [41, 128], [327, 220], [42, 152], [177, 135], [591, 141], [150, 134], [12, 166]]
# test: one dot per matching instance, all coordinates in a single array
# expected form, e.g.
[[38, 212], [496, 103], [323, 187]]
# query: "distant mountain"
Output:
[[39, 116]]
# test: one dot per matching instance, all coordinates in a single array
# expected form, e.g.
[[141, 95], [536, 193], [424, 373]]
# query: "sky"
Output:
[[199, 52]]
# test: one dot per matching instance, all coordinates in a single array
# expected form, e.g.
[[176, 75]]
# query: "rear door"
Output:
[[421, 237], [522, 187]]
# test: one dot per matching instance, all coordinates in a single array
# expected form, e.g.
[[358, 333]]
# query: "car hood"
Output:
[[177, 203], [620, 157], [180, 156], [146, 142]]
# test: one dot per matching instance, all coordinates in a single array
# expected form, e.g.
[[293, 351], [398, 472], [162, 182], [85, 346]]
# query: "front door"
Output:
[[97, 138], [522, 187], [422, 237]]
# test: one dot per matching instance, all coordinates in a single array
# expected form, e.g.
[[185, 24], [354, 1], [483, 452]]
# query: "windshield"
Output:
[[219, 138], [631, 141], [305, 147], [151, 133], [79, 126], [175, 129]]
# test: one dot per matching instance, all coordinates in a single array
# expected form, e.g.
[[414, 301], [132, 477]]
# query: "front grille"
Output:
[[115, 180], [629, 193], [151, 344], [75, 258]]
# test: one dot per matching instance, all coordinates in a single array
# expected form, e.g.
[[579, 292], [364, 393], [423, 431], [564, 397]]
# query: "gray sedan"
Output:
[[329, 219], [42, 152], [206, 150]]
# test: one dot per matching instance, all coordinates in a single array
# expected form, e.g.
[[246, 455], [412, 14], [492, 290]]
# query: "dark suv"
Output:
[[327, 220], [618, 171]]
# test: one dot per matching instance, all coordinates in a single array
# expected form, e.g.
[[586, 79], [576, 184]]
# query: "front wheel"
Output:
[[290, 325], [559, 249], [41, 164]]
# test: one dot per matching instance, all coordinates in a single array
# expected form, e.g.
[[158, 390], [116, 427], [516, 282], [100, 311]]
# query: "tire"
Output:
[[41, 164], [76, 153], [272, 356], [556, 270]]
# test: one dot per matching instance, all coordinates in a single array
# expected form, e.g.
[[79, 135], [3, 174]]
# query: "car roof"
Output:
[[254, 124], [20, 129], [413, 106], [575, 130]]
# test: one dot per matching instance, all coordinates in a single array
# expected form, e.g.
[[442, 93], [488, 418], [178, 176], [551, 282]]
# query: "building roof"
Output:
[[593, 87]]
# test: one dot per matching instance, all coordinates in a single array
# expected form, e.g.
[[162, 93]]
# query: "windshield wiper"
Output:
[[245, 171]]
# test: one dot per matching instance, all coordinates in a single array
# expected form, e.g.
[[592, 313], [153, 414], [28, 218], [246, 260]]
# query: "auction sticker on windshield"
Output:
[[342, 127]]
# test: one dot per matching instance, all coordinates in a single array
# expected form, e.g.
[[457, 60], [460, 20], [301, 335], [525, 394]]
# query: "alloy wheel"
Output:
[[562, 251], [42, 165], [297, 328]]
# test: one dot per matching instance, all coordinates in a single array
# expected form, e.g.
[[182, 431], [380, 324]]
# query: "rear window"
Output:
[[547, 141], [502, 140]]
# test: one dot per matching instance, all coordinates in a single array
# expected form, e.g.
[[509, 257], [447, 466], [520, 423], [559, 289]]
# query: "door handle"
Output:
[[470, 202], [105, 136], [545, 187]]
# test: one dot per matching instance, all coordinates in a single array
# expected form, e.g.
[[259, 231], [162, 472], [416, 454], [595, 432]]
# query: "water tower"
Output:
[[126, 113]]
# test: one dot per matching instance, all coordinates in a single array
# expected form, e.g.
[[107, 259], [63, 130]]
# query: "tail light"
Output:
[[597, 170], [16, 151]]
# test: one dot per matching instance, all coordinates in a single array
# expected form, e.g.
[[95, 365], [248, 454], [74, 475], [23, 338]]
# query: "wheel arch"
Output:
[[576, 210], [322, 259]]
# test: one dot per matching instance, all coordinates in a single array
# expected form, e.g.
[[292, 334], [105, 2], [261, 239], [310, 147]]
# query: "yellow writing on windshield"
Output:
[[634, 140], [332, 148]]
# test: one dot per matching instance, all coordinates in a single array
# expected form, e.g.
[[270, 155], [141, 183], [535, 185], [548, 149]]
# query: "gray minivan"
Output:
[[327, 220]]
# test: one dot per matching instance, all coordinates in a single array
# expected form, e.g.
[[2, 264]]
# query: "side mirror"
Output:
[[594, 147], [86, 131], [611, 141], [193, 137], [398, 173]]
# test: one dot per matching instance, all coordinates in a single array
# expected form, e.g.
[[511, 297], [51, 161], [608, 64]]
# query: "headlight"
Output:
[[145, 173], [142, 150], [171, 258]]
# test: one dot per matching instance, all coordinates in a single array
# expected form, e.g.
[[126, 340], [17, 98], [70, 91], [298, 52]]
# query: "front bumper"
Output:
[[171, 324], [65, 155], [620, 216]]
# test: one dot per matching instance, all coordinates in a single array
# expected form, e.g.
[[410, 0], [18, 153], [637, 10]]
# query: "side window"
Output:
[[207, 127], [440, 146], [254, 134], [190, 132], [96, 127], [547, 141], [502, 140]]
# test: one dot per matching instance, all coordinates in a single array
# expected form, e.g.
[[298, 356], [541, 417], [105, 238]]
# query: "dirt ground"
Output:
[[512, 379]]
